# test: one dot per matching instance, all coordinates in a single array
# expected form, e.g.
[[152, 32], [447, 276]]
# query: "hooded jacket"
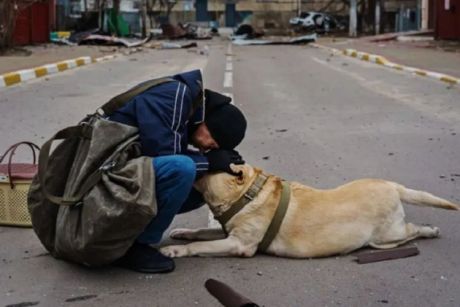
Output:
[[162, 114]]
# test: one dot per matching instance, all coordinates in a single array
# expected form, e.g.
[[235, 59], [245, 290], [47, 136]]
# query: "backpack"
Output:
[[94, 193]]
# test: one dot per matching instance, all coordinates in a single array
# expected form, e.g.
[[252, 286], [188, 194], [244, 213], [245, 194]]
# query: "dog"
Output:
[[317, 223]]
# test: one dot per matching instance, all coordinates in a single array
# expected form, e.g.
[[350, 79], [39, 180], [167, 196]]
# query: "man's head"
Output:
[[224, 125]]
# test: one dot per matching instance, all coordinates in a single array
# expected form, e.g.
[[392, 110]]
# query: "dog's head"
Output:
[[221, 189]]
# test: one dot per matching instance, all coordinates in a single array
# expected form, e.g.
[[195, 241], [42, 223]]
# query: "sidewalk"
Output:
[[49, 53], [442, 57]]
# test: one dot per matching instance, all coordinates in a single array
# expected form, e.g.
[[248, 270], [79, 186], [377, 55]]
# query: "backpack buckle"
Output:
[[100, 112], [108, 166]]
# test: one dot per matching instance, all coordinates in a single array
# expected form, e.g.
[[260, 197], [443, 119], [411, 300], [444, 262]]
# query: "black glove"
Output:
[[220, 160]]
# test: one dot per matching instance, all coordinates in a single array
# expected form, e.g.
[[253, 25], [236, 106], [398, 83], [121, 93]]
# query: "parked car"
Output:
[[315, 22]]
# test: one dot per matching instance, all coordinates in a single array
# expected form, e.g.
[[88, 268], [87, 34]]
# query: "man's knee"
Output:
[[183, 167]]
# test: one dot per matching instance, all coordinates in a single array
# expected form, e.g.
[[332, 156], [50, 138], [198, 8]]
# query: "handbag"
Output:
[[15, 180], [94, 193]]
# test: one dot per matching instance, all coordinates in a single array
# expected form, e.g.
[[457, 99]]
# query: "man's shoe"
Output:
[[145, 259]]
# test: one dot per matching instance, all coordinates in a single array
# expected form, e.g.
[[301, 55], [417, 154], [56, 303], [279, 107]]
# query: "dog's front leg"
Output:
[[204, 234], [230, 246]]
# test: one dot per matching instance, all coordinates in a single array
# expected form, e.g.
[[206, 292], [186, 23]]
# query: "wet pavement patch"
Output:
[[81, 298], [23, 304]]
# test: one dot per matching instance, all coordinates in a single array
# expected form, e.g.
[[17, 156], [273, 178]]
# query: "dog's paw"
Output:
[[436, 232], [174, 251], [181, 234]]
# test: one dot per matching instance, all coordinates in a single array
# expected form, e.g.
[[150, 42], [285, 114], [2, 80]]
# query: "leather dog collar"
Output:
[[250, 194], [278, 218], [247, 197]]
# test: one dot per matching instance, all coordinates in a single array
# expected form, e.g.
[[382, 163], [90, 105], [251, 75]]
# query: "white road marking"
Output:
[[228, 79], [229, 66]]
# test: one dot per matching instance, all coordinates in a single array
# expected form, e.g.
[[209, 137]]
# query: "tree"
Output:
[[157, 8], [9, 10]]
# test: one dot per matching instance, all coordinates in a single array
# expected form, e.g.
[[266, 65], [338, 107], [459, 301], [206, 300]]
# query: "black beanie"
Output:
[[225, 122]]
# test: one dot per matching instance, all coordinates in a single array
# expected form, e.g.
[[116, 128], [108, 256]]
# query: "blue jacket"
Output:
[[162, 115]]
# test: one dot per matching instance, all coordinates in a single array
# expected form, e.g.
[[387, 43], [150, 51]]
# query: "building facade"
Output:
[[447, 19]]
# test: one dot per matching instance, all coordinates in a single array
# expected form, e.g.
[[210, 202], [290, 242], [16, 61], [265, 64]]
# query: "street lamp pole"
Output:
[[353, 19]]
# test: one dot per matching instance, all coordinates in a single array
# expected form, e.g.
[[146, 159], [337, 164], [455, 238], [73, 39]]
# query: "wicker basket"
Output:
[[15, 179]]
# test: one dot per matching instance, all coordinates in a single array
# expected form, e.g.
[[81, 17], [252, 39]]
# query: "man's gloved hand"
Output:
[[220, 160]]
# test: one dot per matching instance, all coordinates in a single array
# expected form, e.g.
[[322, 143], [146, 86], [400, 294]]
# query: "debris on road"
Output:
[[61, 37], [388, 254], [95, 37], [246, 31], [226, 295], [276, 41], [185, 45], [98, 39], [173, 32], [189, 31]]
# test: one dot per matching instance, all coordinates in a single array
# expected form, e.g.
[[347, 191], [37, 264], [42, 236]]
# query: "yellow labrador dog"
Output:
[[317, 223]]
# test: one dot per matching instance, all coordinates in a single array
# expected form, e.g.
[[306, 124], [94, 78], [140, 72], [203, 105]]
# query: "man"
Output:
[[171, 116]]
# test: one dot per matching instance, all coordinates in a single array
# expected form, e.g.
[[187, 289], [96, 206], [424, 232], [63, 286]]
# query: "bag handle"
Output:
[[119, 101], [81, 131], [12, 151]]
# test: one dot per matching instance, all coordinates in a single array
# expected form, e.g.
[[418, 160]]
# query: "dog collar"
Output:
[[247, 197], [278, 218]]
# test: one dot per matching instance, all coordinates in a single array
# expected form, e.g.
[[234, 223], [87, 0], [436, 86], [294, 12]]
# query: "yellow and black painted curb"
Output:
[[380, 60], [19, 76]]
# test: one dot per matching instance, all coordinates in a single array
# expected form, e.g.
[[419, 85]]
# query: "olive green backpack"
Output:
[[94, 193]]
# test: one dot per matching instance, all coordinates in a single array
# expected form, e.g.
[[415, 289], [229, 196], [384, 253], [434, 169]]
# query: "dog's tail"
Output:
[[421, 198]]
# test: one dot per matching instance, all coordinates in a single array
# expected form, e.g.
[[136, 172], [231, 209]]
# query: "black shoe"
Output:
[[145, 259]]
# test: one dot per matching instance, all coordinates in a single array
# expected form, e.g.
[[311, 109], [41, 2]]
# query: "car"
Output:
[[315, 22]]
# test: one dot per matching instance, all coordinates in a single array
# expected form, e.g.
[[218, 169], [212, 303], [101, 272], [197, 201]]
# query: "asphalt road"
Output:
[[315, 118]]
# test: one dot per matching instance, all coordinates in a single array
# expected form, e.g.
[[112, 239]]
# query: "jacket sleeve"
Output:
[[161, 115], [201, 162]]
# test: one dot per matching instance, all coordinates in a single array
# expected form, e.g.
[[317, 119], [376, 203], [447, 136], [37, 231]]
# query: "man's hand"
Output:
[[220, 160]]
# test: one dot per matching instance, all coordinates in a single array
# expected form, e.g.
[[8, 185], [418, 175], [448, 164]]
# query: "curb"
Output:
[[19, 76], [380, 60]]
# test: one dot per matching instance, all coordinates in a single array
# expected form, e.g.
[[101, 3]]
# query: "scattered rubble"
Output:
[[185, 45], [246, 31], [188, 31], [276, 41]]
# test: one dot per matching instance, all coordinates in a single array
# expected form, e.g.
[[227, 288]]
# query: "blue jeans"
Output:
[[174, 178]]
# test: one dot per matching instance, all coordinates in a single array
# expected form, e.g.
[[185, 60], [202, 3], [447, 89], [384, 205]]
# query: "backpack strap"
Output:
[[80, 131], [119, 101]]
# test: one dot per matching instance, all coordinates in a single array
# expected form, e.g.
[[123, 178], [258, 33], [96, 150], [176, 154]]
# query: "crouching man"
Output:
[[170, 117]]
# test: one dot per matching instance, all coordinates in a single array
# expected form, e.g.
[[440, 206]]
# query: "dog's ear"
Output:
[[237, 168], [242, 171]]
